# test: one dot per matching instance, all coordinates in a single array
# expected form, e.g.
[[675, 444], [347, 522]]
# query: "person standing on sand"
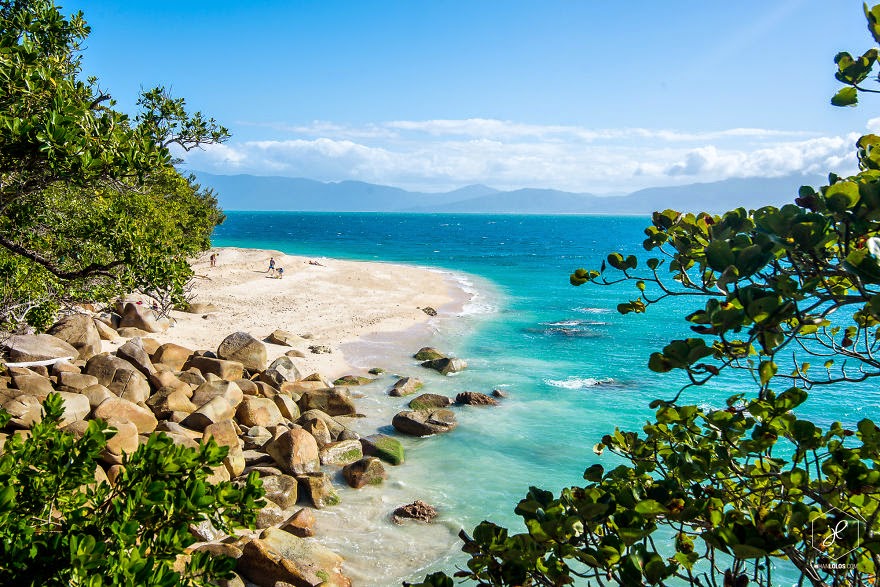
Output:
[[271, 270], [280, 272], [213, 259]]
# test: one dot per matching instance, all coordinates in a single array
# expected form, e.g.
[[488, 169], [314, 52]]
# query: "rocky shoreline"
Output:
[[291, 428]]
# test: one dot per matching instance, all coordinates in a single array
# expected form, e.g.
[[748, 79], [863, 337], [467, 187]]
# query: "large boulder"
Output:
[[116, 407], [25, 410], [334, 401], [428, 401], [124, 441], [279, 557], [405, 386], [173, 355], [287, 406], [226, 370], [281, 489], [244, 348], [333, 425], [318, 488], [80, 332], [424, 422], [75, 382], [168, 400], [385, 447], [228, 390], [216, 410], [32, 384], [282, 370], [366, 471], [258, 411], [141, 316], [105, 331], [341, 452], [446, 365], [295, 451], [301, 524], [318, 428], [21, 348], [224, 434], [133, 351], [119, 376]]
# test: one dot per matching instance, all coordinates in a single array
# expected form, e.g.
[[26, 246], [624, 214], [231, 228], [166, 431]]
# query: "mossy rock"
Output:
[[376, 371], [428, 354], [387, 448], [428, 401], [352, 380]]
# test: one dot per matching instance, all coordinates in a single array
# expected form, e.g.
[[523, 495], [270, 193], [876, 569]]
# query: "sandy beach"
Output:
[[331, 304]]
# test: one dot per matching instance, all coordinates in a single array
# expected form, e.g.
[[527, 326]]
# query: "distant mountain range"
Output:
[[250, 192]]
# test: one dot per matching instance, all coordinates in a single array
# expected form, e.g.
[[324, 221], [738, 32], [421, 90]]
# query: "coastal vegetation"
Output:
[[742, 493], [91, 205]]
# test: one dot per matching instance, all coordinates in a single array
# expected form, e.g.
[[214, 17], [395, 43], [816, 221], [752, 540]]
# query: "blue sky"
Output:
[[584, 95]]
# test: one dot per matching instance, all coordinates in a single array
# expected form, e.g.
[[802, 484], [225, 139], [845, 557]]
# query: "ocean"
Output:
[[574, 369]]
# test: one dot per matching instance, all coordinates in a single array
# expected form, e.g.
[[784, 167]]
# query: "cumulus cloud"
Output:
[[435, 155]]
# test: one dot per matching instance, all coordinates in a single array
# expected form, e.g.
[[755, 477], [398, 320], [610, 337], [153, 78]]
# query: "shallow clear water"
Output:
[[574, 367]]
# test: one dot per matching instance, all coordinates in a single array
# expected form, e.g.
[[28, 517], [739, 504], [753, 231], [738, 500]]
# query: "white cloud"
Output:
[[435, 155]]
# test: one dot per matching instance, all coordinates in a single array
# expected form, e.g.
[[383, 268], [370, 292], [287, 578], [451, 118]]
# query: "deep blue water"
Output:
[[574, 367]]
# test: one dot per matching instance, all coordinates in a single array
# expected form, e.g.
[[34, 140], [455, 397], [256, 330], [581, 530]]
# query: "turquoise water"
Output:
[[574, 367]]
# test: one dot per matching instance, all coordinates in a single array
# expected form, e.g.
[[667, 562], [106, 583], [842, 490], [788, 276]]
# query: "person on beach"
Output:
[[271, 270], [280, 272], [213, 259]]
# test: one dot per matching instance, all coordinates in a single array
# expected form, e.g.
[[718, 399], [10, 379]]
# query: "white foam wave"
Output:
[[578, 382], [476, 300], [592, 310], [574, 323]]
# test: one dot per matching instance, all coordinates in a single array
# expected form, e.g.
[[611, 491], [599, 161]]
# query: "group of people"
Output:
[[277, 273]]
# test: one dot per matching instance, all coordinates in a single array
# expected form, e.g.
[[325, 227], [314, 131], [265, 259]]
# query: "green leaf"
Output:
[[847, 96], [650, 507], [767, 369], [594, 473]]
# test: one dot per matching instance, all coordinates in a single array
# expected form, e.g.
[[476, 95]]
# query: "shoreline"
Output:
[[336, 304], [359, 528]]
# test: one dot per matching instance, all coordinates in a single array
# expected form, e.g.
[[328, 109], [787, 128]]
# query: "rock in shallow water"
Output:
[[418, 510], [424, 422]]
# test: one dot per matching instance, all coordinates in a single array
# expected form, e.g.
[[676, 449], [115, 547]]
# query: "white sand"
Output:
[[334, 303]]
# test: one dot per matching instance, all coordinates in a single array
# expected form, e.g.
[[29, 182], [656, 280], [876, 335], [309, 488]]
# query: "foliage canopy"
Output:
[[59, 527], [728, 495], [90, 203]]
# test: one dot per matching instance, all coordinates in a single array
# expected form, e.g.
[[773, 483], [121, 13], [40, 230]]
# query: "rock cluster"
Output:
[[288, 428], [431, 358], [276, 422]]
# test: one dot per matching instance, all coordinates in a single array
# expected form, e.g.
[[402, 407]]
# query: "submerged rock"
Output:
[[424, 422], [366, 471], [446, 365], [473, 398], [428, 354], [428, 401], [417, 510], [405, 386]]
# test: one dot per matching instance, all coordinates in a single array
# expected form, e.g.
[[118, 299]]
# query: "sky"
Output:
[[433, 95]]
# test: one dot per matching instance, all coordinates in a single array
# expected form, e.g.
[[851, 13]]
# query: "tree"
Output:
[[90, 203], [721, 496], [59, 527]]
